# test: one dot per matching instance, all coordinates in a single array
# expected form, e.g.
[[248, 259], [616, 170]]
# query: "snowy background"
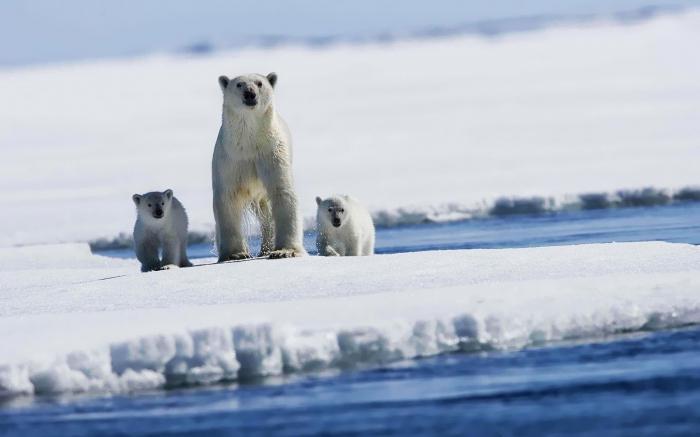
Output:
[[440, 124], [43, 31], [434, 112]]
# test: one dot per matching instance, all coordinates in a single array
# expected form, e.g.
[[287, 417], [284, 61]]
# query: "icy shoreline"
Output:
[[222, 322], [455, 212]]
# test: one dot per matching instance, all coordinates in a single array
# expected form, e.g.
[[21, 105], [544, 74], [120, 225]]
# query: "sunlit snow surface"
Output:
[[76, 322]]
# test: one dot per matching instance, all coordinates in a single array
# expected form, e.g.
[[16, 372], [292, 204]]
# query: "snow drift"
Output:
[[80, 332]]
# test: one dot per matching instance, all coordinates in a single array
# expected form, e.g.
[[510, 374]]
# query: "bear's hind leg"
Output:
[[263, 212]]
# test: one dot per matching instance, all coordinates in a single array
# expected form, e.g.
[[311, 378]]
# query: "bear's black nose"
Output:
[[158, 213], [336, 222], [249, 95]]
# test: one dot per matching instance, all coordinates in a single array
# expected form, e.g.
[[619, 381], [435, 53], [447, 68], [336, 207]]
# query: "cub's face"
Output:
[[153, 205], [331, 211], [248, 93]]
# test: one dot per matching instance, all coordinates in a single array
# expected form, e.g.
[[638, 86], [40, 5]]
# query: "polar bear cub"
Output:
[[252, 171], [345, 227], [161, 225]]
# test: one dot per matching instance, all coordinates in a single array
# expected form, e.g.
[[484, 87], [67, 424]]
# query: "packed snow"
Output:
[[442, 126], [71, 321]]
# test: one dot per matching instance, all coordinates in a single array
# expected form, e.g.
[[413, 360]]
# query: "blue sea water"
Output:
[[635, 384]]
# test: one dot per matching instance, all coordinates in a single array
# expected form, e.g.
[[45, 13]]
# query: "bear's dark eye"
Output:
[[238, 85], [149, 205], [162, 203], [258, 83], [330, 209], [342, 210]]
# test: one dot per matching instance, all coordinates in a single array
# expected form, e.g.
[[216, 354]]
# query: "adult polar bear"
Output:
[[252, 168]]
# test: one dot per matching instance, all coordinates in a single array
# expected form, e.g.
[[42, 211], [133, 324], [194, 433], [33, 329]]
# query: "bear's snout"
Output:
[[336, 222], [158, 213], [250, 98]]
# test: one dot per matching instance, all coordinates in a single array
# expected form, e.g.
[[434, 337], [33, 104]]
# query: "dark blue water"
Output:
[[639, 384]]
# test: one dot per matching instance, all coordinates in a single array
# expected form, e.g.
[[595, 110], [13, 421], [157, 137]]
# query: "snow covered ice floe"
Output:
[[66, 329]]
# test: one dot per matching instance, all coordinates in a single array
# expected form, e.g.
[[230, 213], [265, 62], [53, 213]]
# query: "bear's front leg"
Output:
[[276, 175], [352, 248], [147, 254], [323, 246], [171, 252], [228, 213], [287, 230]]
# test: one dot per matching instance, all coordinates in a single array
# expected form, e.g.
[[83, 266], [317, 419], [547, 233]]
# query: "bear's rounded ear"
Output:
[[136, 198], [272, 78], [223, 82], [318, 201], [168, 193]]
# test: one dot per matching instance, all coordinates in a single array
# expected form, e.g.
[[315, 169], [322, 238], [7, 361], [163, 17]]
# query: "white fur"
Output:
[[354, 236], [252, 168], [167, 234]]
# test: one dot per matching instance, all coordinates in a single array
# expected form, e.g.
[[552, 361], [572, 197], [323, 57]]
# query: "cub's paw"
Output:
[[235, 257], [286, 253], [169, 267]]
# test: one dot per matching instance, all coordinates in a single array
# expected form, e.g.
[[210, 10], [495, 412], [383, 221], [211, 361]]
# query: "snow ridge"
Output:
[[244, 352]]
